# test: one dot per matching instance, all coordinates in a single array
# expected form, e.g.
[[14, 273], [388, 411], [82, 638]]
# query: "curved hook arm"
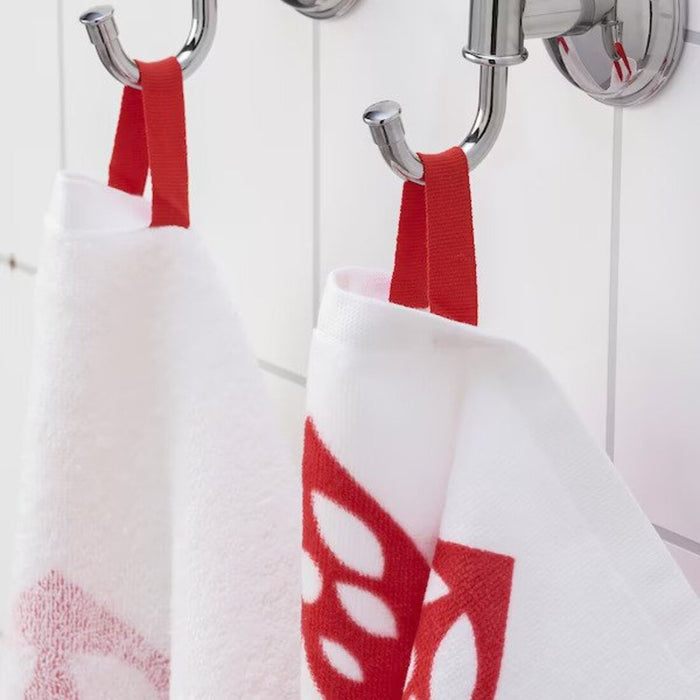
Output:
[[386, 125], [103, 32]]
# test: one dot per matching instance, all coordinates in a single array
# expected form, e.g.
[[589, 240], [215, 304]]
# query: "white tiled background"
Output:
[[586, 216]]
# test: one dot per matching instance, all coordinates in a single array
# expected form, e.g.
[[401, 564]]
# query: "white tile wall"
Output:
[[290, 398], [658, 387], [693, 15], [30, 133], [287, 185]]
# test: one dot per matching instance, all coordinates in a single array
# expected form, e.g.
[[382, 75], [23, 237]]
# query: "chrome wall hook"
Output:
[[386, 125], [102, 30], [322, 9], [620, 52]]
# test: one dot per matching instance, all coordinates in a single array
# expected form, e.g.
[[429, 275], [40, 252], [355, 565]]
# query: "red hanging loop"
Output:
[[152, 134], [435, 263]]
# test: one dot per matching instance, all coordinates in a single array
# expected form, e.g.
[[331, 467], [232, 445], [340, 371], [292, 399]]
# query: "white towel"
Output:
[[463, 449], [157, 552], [463, 535]]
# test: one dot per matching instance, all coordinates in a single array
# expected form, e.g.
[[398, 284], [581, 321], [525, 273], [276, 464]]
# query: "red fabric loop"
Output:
[[409, 284], [152, 133], [435, 263], [129, 167]]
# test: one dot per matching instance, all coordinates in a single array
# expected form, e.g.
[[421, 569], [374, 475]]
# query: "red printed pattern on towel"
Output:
[[61, 621], [478, 585], [350, 657]]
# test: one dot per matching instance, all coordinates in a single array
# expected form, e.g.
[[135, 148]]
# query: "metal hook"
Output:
[[103, 33], [496, 41], [497, 32], [386, 125]]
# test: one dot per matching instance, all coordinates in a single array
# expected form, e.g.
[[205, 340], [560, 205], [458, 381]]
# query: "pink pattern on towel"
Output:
[[61, 621]]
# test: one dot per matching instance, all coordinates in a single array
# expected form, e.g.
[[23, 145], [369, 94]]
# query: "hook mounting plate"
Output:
[[322, 9], [627, 58]]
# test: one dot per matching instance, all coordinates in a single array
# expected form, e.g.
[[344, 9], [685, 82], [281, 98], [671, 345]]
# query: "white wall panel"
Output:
[[250, 138], [290, 401], [658, 389], [30, 126], [542, 198]]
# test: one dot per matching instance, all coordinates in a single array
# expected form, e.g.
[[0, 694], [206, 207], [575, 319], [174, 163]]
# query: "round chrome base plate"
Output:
[[322, 9], [626, 60]]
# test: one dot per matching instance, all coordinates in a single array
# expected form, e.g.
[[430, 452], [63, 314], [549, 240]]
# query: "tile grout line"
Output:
[[614, 291], [692, 37], [282, 373], [680, 541], [669, 536], [62, 160], [17, 265], [316, 148]]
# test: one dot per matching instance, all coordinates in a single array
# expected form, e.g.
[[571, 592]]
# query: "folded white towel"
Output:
[[157, 552], [463, 535], [434, 444]]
